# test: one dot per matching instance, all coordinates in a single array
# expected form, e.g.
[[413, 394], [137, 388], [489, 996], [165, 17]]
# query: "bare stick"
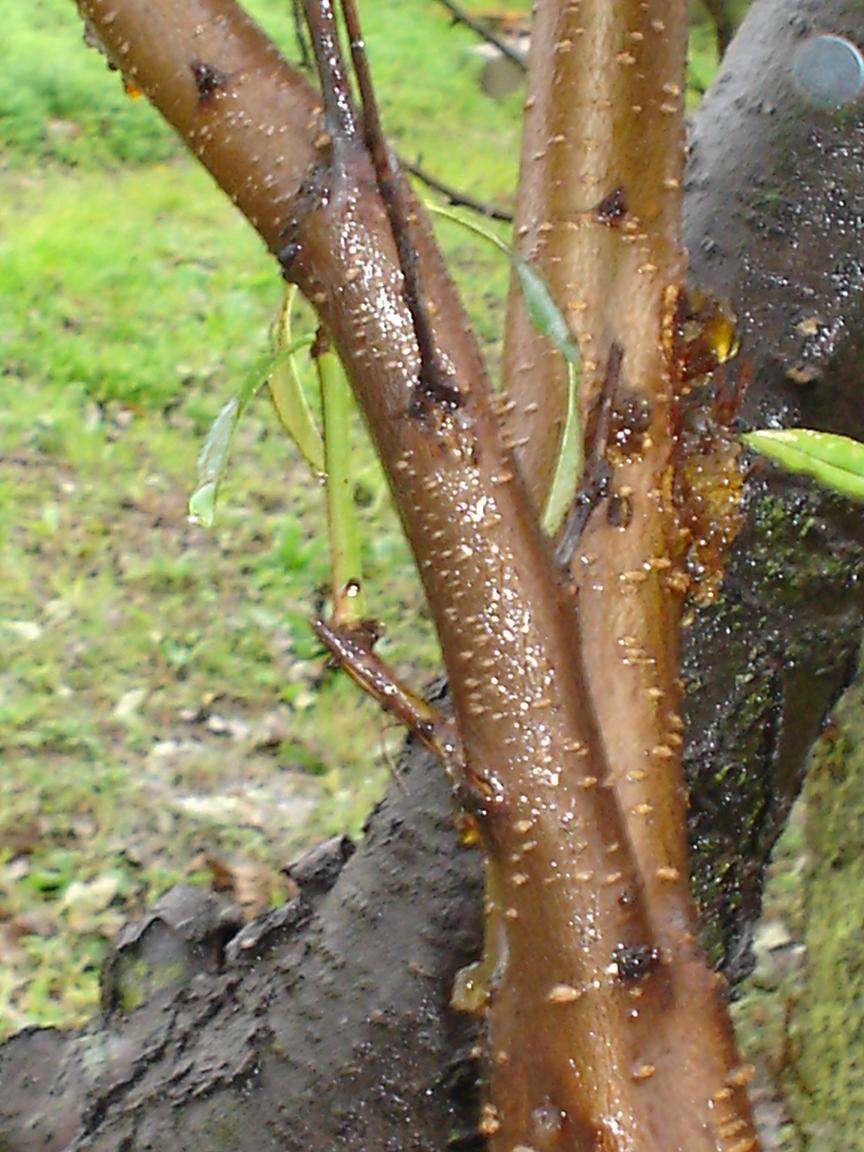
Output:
[[461, 17], [457, 198], [352, 650]]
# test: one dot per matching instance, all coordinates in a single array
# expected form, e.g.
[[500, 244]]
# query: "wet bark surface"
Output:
[[773, 224], [327, 1024], [324, 1025]]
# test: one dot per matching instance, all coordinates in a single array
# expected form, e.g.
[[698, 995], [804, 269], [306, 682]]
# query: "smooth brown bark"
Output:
[[599, 213]]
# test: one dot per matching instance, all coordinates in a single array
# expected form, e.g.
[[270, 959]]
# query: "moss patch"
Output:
[[826, 1079]]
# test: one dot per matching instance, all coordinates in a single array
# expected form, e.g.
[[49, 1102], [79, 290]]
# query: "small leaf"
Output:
[[836, 462], [202, 505], [213, 457], [287, 394], [543, 312], [568, 463], [212, 462]]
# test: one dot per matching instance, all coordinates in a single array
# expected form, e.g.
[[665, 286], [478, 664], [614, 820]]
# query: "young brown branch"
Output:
[[605, 1028], [394, 193], [353, 650], [340, 115]]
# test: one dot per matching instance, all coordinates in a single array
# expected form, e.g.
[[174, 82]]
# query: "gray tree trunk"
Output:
[[327, 1025]]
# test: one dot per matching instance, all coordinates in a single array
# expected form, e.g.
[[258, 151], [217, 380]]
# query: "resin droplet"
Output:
[[471, 989]]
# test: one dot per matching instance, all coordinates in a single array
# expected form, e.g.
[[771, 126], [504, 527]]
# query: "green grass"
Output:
[[162, 698]]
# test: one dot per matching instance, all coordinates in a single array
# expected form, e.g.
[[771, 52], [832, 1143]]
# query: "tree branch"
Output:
[[598, 212], [562, 864]]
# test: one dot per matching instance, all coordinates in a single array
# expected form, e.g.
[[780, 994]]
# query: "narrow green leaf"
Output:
[[288, 395], [213, 457], [569, 461], [548, 319], [543, 312], [836, 462], [212, 462]]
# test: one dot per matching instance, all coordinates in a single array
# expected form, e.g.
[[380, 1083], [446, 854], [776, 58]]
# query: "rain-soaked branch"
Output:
[[394, 194], [591, 1035], [598, 210]]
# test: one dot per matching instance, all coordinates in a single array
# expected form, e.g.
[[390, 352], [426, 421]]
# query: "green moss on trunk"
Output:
[[826, 1083]]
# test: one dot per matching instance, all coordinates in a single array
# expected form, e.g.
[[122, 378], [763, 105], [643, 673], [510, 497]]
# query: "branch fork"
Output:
[[605, 1028]]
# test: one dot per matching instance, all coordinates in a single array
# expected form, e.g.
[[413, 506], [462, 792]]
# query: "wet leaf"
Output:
[[836, 462], [213, 458], [569, 461], [289, 398]]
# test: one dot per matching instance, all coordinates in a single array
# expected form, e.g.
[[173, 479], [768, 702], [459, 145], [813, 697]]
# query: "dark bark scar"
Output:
[[612, 209], [210, 81]]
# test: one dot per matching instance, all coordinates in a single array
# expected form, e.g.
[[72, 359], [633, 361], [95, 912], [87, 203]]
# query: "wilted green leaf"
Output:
[[836, 462], [212, 462]]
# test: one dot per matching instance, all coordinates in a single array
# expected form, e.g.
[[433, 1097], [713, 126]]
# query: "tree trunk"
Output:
[[824, 1075], [772, 223], [328, 1023]]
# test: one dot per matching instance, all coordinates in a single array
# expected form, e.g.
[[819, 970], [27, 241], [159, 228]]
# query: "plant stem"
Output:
[[346, 570]]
